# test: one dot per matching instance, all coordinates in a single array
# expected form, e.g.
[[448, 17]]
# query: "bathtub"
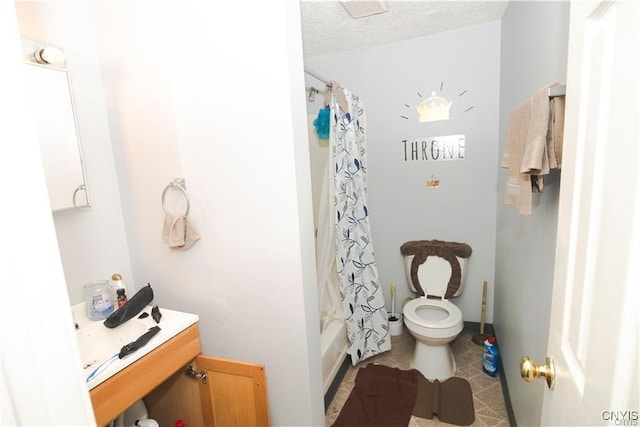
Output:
[[333, 342]]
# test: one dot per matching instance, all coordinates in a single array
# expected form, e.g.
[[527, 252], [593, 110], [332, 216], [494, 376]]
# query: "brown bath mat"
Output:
[[382, 397], [451, 401], [387, 397]]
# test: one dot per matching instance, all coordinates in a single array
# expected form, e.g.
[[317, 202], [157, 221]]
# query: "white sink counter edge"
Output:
[[171, 324]]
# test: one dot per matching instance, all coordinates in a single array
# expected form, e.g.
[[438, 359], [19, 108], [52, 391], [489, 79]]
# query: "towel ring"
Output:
[[177, 184]]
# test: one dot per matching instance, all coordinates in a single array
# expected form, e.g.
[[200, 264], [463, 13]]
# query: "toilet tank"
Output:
[[434, 275]]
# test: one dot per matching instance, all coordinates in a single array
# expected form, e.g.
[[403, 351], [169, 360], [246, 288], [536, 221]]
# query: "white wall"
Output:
[[179, 89], [534, 52], [401, 208], [191, 92], [92, 240]]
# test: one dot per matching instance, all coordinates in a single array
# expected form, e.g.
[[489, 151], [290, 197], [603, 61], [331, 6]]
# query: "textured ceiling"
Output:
[[328, 28]]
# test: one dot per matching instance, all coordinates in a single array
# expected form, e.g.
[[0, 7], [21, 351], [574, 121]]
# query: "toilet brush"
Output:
[[393, 317], [479, 338]]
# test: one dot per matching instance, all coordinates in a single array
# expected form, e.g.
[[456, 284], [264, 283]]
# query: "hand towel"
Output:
[[178, 233], [535, 158], [544, 139], [556, 132], [166, 226], [518, 187], [190, 236], [553, 151], [170, 235], [533, 146]]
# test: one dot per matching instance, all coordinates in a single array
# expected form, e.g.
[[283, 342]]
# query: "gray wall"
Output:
[[534, 52], [401, 208]]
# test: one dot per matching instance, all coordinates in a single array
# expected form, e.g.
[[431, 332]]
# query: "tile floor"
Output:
[[488, 399]]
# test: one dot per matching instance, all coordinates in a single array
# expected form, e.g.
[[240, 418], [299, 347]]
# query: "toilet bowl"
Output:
[[437, 274], [434, 324]]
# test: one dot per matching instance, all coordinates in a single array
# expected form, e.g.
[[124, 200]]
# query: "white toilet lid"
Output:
[[432, 313]]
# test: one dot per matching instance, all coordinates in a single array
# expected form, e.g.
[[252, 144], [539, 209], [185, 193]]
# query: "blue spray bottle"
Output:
[[490, 357]]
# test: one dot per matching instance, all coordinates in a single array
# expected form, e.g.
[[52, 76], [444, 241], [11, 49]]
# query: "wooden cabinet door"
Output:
[[235, 393]]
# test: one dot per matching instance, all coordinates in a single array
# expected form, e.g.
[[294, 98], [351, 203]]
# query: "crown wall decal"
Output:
[[432, 182], [434, 108]]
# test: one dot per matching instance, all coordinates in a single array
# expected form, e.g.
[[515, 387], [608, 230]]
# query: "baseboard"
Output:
[[505, 393], [505, 388], [474, 327]]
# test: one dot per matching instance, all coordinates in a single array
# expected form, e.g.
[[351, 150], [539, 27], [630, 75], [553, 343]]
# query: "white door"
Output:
[[593, 334]]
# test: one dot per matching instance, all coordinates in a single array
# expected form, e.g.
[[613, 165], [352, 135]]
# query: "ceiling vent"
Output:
[[362, 8]]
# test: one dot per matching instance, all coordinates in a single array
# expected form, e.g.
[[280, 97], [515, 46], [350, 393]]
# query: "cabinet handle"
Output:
[[192, 373]]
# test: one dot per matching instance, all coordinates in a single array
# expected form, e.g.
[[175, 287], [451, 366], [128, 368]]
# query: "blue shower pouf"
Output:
[[321, 123]]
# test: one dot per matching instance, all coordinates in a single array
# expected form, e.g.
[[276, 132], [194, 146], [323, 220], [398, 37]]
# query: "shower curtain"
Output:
[[345, 245]]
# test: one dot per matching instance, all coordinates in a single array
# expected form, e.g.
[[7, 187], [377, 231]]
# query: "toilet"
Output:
[[435, 272]]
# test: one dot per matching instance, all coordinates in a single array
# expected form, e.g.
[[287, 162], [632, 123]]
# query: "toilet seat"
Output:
[[412, 310], [440, 290], [446, 284]]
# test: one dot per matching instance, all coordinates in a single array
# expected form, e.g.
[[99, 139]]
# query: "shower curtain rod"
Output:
[[314, 74]]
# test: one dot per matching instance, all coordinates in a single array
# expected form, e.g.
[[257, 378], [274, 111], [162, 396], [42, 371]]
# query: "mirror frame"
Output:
[[68, 118]]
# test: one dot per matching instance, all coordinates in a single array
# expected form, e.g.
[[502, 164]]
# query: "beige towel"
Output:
[[518, 189], [556, 133], [533, 146], [535, 158], [178, 233], [553, 151]]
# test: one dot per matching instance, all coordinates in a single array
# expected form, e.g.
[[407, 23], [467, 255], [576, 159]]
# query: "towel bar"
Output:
[[177, 184], [559, 90]]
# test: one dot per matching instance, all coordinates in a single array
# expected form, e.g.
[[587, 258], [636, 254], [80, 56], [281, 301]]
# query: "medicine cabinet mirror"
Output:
[[54, 118]]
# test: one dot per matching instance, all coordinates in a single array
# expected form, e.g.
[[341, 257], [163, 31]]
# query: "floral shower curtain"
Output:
[[362, 298]]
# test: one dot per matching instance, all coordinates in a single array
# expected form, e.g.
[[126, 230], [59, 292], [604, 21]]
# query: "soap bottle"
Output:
[[122, 298], [117, 282]]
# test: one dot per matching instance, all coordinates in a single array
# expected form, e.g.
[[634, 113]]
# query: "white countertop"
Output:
[[171, 324]]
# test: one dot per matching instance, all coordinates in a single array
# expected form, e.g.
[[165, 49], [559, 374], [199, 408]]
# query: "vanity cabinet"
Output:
[[227, 392]]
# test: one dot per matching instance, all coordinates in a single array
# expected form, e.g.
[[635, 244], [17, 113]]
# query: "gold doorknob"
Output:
[[529, 371]]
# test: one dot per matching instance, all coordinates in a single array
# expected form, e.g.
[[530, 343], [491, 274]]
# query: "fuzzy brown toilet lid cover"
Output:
[[422, 249]]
